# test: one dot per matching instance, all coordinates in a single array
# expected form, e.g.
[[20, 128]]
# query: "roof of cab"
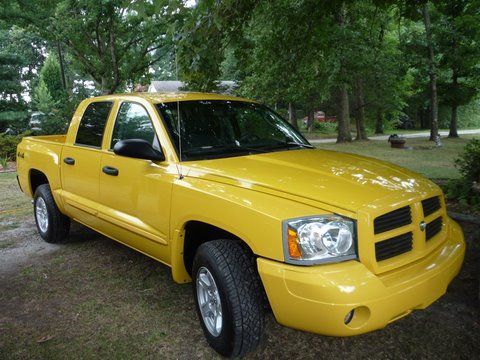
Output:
[[172, 96]]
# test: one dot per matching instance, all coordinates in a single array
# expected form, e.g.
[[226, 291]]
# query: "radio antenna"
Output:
[[179, 124]]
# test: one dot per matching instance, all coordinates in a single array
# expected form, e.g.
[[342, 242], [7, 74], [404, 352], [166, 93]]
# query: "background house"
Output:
[[225, 87]]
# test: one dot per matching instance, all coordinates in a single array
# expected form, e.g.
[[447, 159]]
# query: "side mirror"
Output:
[[138, 149]]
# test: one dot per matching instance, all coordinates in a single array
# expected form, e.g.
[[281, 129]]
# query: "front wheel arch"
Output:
[[195, 233]]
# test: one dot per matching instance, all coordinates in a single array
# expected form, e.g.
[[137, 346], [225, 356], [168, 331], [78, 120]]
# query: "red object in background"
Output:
[[320, 117]]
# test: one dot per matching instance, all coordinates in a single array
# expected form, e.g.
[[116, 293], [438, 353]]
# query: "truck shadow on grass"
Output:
[[94, 298]]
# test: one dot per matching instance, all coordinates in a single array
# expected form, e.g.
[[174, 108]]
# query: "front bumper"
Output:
[[318, 298]]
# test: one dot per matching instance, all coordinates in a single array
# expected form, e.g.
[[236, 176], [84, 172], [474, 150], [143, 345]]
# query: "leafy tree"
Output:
[[51, 77], [50, 98], [13, 109], [432, 72], [458, 36], [112, 41], [42, 98]]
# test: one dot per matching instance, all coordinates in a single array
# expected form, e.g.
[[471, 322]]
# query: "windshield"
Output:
[[218, 128]]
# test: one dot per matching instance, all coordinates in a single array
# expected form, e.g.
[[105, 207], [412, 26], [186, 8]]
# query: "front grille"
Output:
[[393, 220], [433, 228], [430, 205], [397, 245]]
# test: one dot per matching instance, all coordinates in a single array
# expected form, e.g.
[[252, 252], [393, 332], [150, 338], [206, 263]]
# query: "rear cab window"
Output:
[[92, 125]]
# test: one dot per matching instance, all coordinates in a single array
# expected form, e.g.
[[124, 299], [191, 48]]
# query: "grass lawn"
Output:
[[423, 158], [314, 135], [13, 205]]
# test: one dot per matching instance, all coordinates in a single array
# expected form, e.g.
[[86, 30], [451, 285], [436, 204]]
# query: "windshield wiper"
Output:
[[288, 144], [307, 146]]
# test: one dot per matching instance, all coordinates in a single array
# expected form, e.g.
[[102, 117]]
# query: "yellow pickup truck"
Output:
[[233, 199]]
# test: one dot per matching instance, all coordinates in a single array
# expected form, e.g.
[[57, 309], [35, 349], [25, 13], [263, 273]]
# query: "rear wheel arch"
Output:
[[35, 179]]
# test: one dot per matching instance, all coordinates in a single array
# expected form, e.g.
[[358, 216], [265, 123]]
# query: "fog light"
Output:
[[349, 317]]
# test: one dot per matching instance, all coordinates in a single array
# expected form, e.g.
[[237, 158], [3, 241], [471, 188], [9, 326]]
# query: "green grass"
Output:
[[424, 157], [314, 135], [14, 205]]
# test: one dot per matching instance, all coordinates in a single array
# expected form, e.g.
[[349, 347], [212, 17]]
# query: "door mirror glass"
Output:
[[138, 149]]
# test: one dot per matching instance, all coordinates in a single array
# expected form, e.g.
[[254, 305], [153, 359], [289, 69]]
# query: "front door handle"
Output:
[[110, 170], [69, 161]]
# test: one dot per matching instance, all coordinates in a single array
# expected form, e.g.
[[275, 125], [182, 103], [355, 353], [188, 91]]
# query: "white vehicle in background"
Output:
[[34, 124]]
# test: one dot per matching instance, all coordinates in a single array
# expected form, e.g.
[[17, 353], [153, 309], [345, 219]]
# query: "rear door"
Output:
[[80, 163], [135, 194]]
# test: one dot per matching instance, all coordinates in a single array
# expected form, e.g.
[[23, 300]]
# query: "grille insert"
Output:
[[395, 246], [430, 205], [433, 228], [393, 220]]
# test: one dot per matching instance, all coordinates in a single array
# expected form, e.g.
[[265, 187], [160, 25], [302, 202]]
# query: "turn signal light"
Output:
[[293, 247]]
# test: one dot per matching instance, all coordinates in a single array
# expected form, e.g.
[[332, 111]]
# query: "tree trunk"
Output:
[[379, 123], [62, 66], [104, 87], [432, 74], [310, 119], [343, 108], [360, 112], [425, 118], [343, 116], [292, 115], [453, 120]]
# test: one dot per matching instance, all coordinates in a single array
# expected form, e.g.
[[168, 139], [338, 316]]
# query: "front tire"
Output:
[[52, 225], [228, 297]]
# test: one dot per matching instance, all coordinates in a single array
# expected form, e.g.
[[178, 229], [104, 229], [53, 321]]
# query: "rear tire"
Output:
[[236, 285], [52, 225]]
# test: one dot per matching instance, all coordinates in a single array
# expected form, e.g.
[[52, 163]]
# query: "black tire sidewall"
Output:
[[224, 342], [40, 193]]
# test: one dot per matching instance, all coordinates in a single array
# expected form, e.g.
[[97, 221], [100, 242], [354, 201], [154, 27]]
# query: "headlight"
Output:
[[319, 239]]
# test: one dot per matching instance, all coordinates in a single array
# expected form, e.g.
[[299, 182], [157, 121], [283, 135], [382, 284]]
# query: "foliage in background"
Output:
[[113, 42], [13, 109], [469, 161], [368, 60], [458, 32], [325, 127], [467, 189], [8, 145], [50, 98]]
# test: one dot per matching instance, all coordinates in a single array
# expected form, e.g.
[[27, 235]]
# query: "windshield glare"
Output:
[[218, 128]]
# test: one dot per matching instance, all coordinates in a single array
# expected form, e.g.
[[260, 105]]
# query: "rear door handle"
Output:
[[110, 170], [69, 161]]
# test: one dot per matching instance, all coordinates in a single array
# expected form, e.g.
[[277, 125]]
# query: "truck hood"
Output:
[[342, 180]]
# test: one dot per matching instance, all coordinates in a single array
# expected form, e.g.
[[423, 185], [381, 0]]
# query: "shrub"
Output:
[[468, 164], [4, 162], [325, 127], [469, 161], [8, 144]]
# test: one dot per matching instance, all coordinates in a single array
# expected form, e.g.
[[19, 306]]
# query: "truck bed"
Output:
[[40, 154], [59, 139]]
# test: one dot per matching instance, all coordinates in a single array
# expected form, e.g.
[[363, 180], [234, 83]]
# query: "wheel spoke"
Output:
[[209, 301], [41, 214], [204, 281], [204, 307]]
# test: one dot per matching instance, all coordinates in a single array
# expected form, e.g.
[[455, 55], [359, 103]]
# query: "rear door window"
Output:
[[92, 125]]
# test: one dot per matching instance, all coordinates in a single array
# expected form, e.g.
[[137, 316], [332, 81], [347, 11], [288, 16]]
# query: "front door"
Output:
[[135, 193]]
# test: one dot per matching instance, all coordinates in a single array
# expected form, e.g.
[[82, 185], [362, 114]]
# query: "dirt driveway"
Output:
[[93, 298]]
